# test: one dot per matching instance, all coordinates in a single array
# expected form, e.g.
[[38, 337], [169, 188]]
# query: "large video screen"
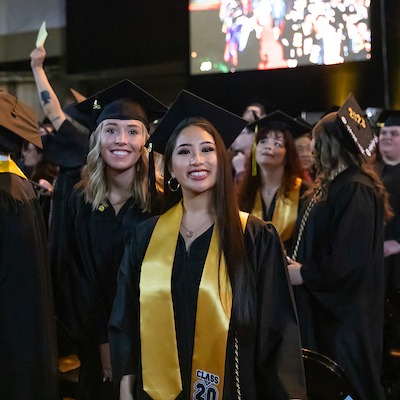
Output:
[[232, 35]]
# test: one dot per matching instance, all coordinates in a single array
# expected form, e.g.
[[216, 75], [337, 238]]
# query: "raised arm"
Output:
[[48, 99]]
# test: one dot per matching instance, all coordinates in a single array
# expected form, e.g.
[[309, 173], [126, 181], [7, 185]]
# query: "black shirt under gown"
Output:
[[28, 356], [268, 214], [270, 364], [341, 302]]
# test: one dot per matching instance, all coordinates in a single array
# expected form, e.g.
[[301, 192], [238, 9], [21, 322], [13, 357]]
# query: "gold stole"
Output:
[[285, 213], [160, 363], [10, 167]]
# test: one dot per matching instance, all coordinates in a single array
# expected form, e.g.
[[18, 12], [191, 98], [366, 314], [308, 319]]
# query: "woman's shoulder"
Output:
[[144, 229], [256, 226], [76, 195], [351, 179]]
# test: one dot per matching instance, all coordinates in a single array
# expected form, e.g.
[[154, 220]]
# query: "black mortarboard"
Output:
[[19, 118], [388, 118], [77, 96], [279, 119], [124, 100], [353, 125], [186, 105], [79, 116]]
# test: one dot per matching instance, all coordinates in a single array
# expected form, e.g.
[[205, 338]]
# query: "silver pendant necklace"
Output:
[[190, 233]]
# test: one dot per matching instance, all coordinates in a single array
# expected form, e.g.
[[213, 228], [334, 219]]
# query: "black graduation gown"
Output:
[[96, 243], [28, 356], [68, 150], [390, 175], [270, 362], [341, 303]]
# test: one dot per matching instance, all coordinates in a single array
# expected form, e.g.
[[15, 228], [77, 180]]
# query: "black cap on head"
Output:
[[278, 118], [388, 118], [79, 116], [186, 105], [19, 118], [354, 128], [77, 96], [124, 100], [357, 126]]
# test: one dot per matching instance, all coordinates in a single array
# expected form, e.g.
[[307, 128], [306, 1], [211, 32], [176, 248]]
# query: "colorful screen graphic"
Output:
[[232, 35]]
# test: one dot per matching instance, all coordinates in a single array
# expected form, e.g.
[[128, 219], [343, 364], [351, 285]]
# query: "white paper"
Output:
[[42, 35]]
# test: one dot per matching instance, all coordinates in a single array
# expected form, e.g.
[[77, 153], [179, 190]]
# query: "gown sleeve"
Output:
[[279, 366]]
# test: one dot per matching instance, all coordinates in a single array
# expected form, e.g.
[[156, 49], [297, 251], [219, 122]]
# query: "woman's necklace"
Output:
[[191, 233], [117, 203], [272, 190]]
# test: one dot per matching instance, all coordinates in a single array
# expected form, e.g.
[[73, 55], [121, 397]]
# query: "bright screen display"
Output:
[[233, 35]]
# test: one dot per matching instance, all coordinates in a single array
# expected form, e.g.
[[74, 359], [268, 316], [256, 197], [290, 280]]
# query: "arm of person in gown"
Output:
[[48, 99], [391, 247], [105, 357], [280, 371], [294, 269], [69, 147], [126, 387]]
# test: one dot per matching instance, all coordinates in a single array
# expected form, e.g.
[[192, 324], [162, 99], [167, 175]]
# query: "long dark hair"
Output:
[[329, 152], [231, 239], [250, 185]]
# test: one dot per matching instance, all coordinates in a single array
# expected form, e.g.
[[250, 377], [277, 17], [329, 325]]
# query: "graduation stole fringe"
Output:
[[11, 168], [160, 362], [285, 213]]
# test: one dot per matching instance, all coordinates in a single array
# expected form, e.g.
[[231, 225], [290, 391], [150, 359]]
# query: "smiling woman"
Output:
[[210, 278], [121, 144], [194, 162], [110, 200]]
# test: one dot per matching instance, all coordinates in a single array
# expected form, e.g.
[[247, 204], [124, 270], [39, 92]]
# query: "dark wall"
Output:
[[127, 33], [121, 33]]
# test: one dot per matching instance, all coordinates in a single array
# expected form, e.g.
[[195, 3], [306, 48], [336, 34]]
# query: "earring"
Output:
[[173, 189]]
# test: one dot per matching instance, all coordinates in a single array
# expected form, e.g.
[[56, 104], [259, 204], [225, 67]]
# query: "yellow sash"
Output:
[[160, 363], [10, 167], [285, 213]]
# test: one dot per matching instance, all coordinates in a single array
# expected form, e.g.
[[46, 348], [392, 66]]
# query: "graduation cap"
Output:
[[19, 118], [124, 100], [354, 127], [357, 126], [79, 116], [280, 120], [186, 105], [77, 96], [388, 118]]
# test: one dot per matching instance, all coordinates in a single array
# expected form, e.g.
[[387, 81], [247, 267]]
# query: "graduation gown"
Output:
[[28, 359], [341, 302], [68, 150], [390, 175], [270, 364], [96, 243]]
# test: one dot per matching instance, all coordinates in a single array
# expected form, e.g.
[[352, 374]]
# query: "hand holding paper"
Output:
[[42, 35]]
